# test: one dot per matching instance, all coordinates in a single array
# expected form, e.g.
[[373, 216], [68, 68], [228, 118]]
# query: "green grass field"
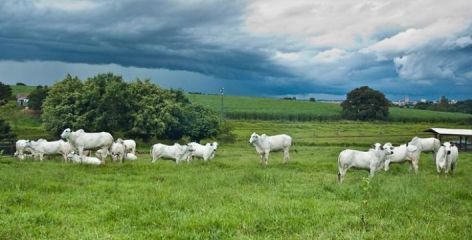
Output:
[[21, 89], [249, 108], [233, 197]]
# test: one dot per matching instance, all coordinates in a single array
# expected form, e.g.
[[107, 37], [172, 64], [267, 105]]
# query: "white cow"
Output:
[[402, 153], [130, 145], [265, 144], [426, 144], [177, 152], [43, 147], [118, 150], [131, 157], [84, 159], [81, 140], [446, 158], [372, 160], [102, 153], [207, 151], [21, 148]]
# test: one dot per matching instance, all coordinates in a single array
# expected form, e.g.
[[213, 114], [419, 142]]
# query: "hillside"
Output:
[[236, 107]]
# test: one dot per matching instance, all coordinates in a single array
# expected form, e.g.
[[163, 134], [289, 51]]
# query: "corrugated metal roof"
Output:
[[451, 131]]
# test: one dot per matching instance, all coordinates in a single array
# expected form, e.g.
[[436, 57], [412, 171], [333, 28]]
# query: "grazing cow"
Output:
[[176, 152], [83, 159], [130, 145], [117, 150], [43, 147], [81, 140], [265, 144], [207, 151], [372, 160], [402, 153], [426, 144], [21, 148], [446, 158], [131, 157]]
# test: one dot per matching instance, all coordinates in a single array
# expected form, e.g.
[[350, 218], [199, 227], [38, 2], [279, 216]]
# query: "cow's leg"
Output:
[[415, 164], [286, 155], [154, 157], [453, 167], [266, 158], [386, 165], [105, 154], [372, 172], [41, 157], [262, 158], [438, 169]]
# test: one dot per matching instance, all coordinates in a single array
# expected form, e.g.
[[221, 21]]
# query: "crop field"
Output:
[[254, 108], [233, 197]]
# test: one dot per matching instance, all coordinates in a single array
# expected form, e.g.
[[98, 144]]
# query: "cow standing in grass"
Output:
[[265, 144], [43, 147], [82, 140], [372, 160], [402, 153], [446, 158], [426, 144], [176, 152]]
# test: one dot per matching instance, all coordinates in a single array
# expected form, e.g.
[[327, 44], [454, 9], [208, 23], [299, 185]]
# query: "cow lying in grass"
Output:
[[83, 159]]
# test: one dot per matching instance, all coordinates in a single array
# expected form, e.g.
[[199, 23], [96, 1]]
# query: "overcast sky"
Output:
[[419, 48]]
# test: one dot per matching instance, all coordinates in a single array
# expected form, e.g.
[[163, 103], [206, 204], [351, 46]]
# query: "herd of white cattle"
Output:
[[79, 144]]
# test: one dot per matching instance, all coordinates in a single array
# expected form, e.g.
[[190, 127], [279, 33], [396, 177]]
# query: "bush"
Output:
[[365, 103], [6, 133]]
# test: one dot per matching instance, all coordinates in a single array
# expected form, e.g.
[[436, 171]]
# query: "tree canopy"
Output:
[[5, 93], [365, 103], [140, 109]]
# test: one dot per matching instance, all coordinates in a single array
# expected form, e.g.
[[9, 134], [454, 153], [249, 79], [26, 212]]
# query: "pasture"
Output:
[[233, 197]]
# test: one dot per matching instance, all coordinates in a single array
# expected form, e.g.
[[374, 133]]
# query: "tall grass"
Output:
[[254, 108]]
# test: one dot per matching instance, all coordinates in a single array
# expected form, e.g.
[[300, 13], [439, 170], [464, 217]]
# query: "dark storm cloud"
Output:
[[149, 34]]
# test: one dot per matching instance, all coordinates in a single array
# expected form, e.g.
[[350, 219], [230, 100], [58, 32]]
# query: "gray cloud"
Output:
[[255, 50]]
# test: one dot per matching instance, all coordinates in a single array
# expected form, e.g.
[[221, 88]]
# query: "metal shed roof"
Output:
[[451, 131]]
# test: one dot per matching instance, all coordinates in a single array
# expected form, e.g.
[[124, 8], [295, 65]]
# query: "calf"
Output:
[[402, 153], [84, 159], [207, 151], [131, 157], [371, 160], [118, 150], [176, 152]]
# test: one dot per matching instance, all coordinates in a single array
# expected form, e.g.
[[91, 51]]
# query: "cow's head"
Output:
[[388, 148], [254, 138], [447, 147], [66, 133]]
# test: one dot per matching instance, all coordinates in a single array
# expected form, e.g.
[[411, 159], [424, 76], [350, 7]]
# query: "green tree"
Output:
[[365, 103], [5, 93], [37, 97], [200, 122], [6, 133], [63, 107]]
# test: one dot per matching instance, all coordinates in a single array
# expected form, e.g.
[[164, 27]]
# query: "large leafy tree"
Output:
[[365, 103], [5, 93], [37, 97], [137, 109]]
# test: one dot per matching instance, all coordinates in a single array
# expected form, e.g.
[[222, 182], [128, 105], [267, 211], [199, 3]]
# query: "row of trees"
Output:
[[138, 109], [444, 106]]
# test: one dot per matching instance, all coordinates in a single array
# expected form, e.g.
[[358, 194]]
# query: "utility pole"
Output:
[[222, 103]]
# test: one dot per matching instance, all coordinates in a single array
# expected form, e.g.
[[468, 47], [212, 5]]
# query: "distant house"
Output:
[[22, 100]]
